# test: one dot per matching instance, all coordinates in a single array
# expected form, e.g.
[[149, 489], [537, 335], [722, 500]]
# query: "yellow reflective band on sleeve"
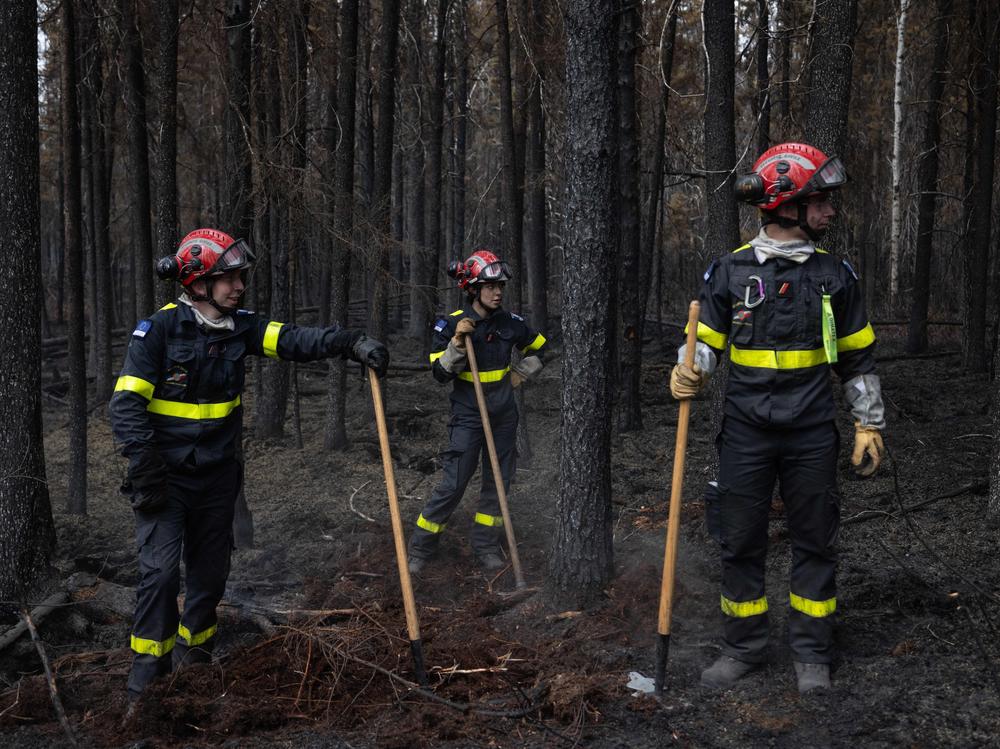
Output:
[[198, 638], [822, 252], [456, 313], [491, 520], [159, 648], [436, 355], [816, 609], [193, 410], [708, 335], [427, 525], [535, 344], [743, 609], [270, 344], [135, 385], [740, 249], [862, 339], [768, 359], [493, 375], [168, 305]]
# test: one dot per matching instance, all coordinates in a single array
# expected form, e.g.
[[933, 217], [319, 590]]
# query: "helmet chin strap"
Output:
[[207, 297], [799, 222]]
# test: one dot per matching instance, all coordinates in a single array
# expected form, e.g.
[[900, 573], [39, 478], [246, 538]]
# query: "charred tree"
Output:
[[832, 55], [582, 562], [237, 199], [166, 30], [434, 172], [343, 211], [763, 100], [535, 244], [460, 126], [420, 312], [896, 230], [927, 179], [511, 216], [27, 534]]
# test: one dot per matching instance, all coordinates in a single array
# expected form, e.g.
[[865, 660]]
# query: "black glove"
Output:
[[146, 482], [372, 354]]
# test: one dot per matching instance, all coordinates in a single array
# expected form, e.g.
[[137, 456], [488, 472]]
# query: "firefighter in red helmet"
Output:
[[789, 313], [176, 415], [494, 333]]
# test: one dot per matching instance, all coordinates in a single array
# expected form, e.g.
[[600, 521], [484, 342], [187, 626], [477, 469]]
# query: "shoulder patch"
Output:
[[440, 325], [711, 270], [517, 317], [850, 269], [245, 312], [142, 328]]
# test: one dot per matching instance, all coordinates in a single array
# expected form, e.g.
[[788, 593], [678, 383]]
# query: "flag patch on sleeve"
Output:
[[440, 325], [142, 328], [850, 269]]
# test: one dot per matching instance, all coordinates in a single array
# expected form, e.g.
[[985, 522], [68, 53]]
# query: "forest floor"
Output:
[[312, 623]]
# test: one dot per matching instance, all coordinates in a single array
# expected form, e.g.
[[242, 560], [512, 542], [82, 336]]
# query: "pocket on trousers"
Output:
[[149, 557], [714, 497], [833, 500]]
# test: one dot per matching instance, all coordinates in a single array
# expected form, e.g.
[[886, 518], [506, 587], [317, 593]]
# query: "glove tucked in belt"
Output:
[[145, 485]]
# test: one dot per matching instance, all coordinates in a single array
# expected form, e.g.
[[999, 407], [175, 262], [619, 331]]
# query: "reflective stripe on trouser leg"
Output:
[[159, 537], [207, 552], [747, 470], [485, 535], [812, 503], [459, 463]]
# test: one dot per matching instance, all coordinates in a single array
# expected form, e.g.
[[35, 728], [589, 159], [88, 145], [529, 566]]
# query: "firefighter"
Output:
[[176, 416], [494, 333], [789, 312]]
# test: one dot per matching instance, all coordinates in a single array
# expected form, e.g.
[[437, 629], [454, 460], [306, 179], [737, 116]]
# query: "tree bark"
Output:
[[420, 316], [535, 242], [582, 563], [896, 226], [763, 77], [832, 55], [927, 179], [27, 534], [434, 172], [166, 32], [511, 216]]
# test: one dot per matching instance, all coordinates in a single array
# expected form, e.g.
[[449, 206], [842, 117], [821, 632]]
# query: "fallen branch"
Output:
[[356, 511], [40, 611], [975, 487], [905, 357], [53, 691]]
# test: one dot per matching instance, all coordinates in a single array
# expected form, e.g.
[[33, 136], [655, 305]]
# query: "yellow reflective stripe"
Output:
[[743, 609], [168, 305], [740, 249], [768, 359], [270, 344], [708, 335], [135, 385], [863, 338], [817, 609], [493, 375], [491, 520], [535, 344], [822, 252], [158, 648], [456, 313], [436, 355], [427, 525], [193, 410], [197, 638]]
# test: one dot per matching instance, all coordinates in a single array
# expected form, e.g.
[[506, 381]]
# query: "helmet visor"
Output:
[[237, 257], [829, 176], [494, 273]]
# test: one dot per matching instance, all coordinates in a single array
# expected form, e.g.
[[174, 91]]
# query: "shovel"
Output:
[[495, 463], [674, 517], [409, 606]]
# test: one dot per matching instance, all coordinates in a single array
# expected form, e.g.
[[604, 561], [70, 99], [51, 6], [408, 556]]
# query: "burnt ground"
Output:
[[313, 624]]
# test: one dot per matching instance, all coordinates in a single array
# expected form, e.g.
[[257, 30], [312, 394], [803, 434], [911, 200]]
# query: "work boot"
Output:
[[725, 672], [490, 561], [812, 676], [416, 564]]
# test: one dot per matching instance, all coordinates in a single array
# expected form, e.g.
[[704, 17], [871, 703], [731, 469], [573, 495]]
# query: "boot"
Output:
[[725, 672], [812, 676], [415, 564], [490, 561]]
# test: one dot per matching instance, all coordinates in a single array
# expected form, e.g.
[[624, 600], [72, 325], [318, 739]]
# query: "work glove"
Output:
[[868, 450], [686, 382], [525, 370], [145, 485], [372, 354], [465, 327]]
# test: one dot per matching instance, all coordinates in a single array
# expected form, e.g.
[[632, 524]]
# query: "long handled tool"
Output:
[[674, 518], [409, 606], [495, 462]]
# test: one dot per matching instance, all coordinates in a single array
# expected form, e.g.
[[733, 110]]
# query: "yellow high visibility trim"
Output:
[[768, 359], [493, 375], [535, 344], [270, 344], [159, 648], [708, 335], [822, 252], [193, 410], [743, 609], [456, 313], [436, 355], [862, 339], [168, 305], [491, 520], [135, 385], [740, 249], [198, 638], [816, 609], [427, 525]]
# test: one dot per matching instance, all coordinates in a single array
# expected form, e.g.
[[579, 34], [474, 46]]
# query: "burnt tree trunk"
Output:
[[165, 163], [582, 562], [763, 100], [927, 178], [511, 215], [27, 534], [832, 55], [461, 126], [434, 172], [535, 245], [420, 316]]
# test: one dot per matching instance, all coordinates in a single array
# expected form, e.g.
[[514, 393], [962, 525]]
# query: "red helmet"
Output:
[[205, 253], [482, 266], [787, 173]]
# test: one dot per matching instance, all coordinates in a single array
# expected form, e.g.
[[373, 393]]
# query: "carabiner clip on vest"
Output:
[[760, 293]]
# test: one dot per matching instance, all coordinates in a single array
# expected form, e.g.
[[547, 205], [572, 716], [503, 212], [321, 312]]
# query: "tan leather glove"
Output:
[[516, 378], [465, 327], [867, 444], [686, 382]]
